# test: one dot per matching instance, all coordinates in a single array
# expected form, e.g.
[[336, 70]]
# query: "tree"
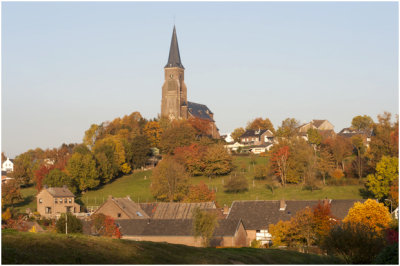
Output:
[[192, 157], [153, 131], [303, 226], [24, 167], [217, 161], [237, 183], [358, 144], [58, 178], [140, 151], [356, 243], [387, 172], [108, 166], [10, 193], [204, 224], [91, 135], [237, 133], [280, 233], [323, 220], [179, 135], [260, 172], [362, 122], [372, 214], [340, 147], [169, 181], [326, 163], [201, 126], [314, 137], [280, 165], [200, 193], [104, 225], [259, 123], [74, 225], [289, 128], [82, 168], [40, 174]]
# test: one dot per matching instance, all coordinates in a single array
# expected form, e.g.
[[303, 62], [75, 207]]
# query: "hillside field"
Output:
[[51, 248], [137, 186]]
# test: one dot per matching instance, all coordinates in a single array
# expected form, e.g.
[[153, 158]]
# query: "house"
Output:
[[227, 137], [4, 178], [349, 132], [122, 208], [125, 208], [258, 215], [316, 124], [52, 201], [228, 233], [256, 137], [234, 147], [8, 165], [257, 149]]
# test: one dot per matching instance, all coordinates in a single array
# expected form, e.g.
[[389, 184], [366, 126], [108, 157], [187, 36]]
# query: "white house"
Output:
[[234, 147], [8, 165], [227, 137]]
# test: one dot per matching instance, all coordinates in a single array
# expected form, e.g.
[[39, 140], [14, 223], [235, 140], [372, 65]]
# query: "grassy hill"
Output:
[[48, 248], [137, 186]]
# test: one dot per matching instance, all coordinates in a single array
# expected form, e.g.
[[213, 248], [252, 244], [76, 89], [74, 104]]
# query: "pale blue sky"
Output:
[[66, 66]]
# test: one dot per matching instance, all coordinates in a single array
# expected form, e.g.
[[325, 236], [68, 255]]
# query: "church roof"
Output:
[[174, 59], [199, 110]]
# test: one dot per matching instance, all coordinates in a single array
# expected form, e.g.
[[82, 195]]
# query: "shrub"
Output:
[[237, 183], [74, 224], [337, 173], [260, 172], [255, 243], [388, 255]]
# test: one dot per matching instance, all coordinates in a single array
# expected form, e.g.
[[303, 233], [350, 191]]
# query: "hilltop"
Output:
[[51, 248]]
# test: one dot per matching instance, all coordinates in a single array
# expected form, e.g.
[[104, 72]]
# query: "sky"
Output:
[[67, 65]]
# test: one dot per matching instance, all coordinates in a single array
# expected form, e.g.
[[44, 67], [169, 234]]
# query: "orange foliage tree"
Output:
[[192, 158], [201, 126], [372, 214], [280, 163], [200, 193]]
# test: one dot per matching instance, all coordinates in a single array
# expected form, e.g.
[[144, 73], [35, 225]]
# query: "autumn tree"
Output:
[[58, 178], [192, 157], [387, 172], [170, 182], [74, 225], [288, 128], [314, 137], [10, 193], [204, 224], [260, 172], [179, 135], [83, 170], [259, 123], [340, 147], [217, 161], [108, 166], [202, 126], [326, 163], [280, 164], [280, 233], [91, 135], [303, 231], [140, 151], [24, 166], [362, 122], [200, 193], [372, 214], [153, 131], [40, 174], [237, 133], [323, 220], [358, 144], [104, 225]]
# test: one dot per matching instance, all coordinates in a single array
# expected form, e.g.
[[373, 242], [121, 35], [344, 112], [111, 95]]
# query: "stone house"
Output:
[[52, 201], [8, 165], [258, 215], [228, 233]]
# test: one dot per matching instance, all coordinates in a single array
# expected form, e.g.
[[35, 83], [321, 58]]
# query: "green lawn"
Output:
[[51, 248], [137, 186]]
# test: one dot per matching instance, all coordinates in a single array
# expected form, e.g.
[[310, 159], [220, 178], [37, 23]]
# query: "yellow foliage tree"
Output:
[[6, 215], [370, 213], [33, 229], [153, 132], [279, 232]]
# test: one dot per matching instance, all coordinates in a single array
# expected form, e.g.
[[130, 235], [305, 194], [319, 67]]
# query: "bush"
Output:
[[74, 224], [337, 173], [237, 183], [389, 255], [357, 244], [255, 243], [260, 172]]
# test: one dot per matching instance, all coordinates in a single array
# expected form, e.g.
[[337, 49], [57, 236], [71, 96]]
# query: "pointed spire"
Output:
[[174, 59]]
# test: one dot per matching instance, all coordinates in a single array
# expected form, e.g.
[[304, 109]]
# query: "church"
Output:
[[174, 103]]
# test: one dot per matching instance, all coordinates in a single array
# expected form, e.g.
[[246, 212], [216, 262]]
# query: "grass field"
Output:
[[137, 186], [50, 248]]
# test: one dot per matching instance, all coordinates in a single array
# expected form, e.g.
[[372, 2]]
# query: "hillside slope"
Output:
[[31, 248]]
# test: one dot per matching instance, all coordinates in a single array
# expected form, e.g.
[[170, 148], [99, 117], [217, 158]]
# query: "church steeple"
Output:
[[174, 59]]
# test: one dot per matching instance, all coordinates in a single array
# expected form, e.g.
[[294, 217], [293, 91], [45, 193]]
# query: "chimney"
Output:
[[282, 205], [226, 209]]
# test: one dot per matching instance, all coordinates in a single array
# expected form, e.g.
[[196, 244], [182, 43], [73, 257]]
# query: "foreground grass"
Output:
[[47, 248], [137, 186]]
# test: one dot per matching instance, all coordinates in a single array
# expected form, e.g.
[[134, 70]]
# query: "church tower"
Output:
[[174, 92]]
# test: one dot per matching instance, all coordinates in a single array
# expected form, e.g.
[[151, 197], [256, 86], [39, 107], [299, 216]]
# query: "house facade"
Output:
[[7, 165], [316, 124], [257, 137], [52, 201]]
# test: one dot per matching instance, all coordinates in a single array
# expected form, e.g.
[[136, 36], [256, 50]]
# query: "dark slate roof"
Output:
[[258, 215], [169, 227], [174, 210], [253, 133], [349, 132], [174, 59], [60, 192], [199, 110]]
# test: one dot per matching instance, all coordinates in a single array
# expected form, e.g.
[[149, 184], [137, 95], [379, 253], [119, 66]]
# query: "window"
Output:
[[55, 201], [65, 200], [47, 210], [40, 201], [119, 215], [257, 231], [70, 200]]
